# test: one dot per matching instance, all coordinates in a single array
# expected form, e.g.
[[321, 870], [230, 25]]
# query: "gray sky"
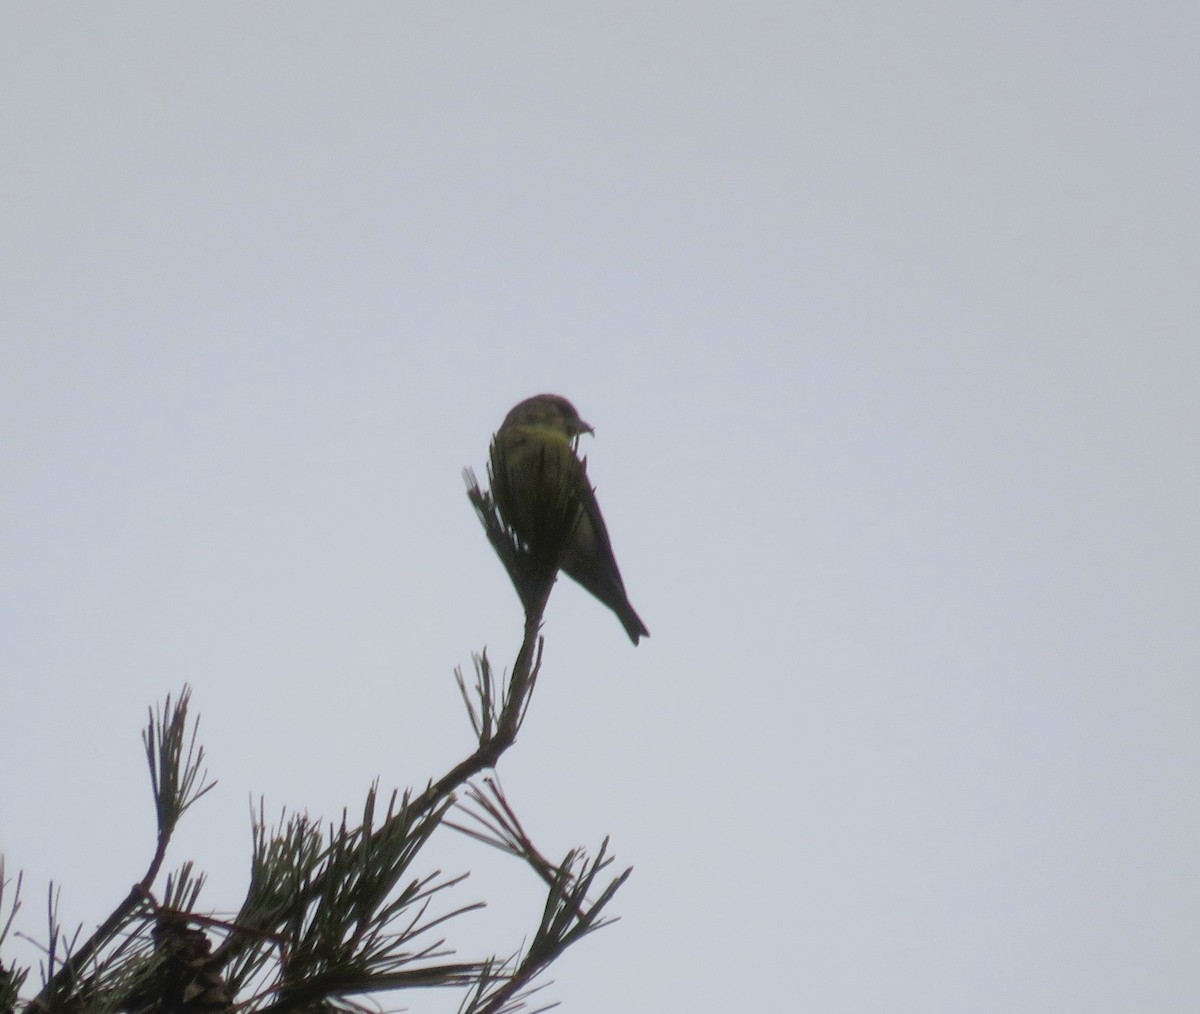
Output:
[[886, 316]]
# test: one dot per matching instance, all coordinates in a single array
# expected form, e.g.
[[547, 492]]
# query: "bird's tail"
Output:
[[630, 620]]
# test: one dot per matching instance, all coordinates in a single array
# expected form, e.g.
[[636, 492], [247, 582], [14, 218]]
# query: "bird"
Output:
[[542, 492]]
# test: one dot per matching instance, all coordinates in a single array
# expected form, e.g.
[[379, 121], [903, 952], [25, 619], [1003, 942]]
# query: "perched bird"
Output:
[[542, 492]]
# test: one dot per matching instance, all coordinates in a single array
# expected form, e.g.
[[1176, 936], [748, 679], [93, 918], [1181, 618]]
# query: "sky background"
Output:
[[886, 316]]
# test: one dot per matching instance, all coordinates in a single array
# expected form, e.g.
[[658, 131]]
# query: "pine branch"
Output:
[[11, 979], [568, 915], [177, 781], [330, 916]]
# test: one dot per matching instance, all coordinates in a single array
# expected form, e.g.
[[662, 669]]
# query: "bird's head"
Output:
[[548, 411]]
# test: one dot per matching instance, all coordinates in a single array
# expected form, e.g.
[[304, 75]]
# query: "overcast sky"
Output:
[[887, 317]]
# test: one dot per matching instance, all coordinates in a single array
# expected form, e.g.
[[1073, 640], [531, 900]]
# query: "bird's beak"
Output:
[[585, 428]]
